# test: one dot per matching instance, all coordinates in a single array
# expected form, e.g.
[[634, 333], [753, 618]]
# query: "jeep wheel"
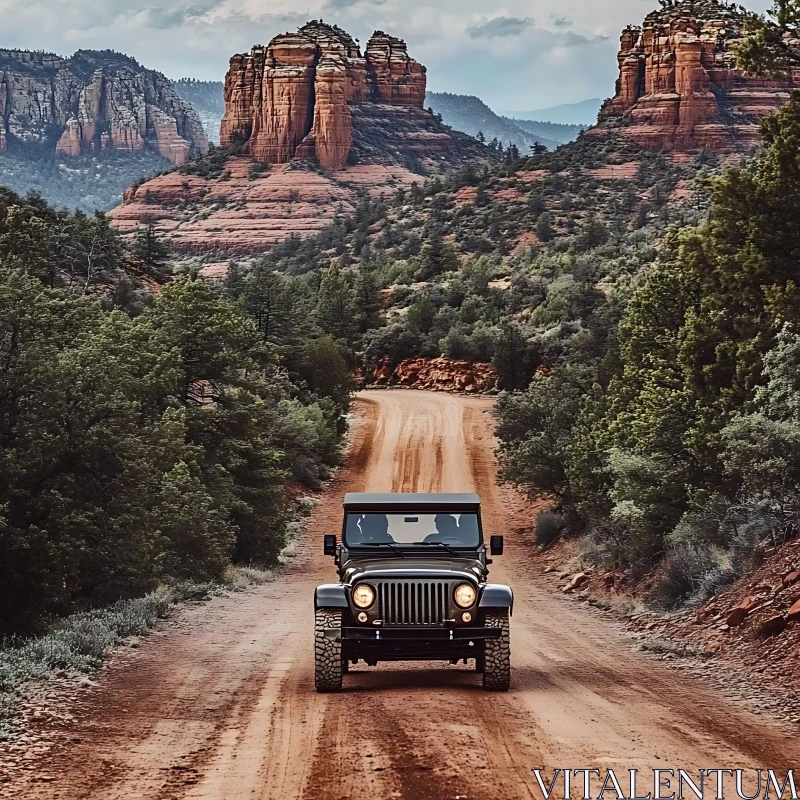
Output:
[[328, 666], [480, 661], [497, 659]]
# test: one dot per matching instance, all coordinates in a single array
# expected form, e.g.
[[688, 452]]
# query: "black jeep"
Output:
[[412, 572]]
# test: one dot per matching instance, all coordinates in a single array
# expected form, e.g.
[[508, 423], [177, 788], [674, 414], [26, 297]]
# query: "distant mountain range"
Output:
[[471, 115], [583, 113]]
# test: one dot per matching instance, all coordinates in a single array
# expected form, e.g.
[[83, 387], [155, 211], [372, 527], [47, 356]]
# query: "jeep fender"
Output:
[[496, 595], [330, 595]]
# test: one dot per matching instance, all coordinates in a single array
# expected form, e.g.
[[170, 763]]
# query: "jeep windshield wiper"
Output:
[[437, 544], [385, 544]]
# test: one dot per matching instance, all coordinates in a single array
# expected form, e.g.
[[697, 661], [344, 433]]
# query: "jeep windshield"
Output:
[[409, 529]]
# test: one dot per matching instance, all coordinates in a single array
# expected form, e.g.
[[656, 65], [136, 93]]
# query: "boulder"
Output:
[[772, 626], [794, 611], [577, 581], [440, 375], [791, 578], [739, 614]]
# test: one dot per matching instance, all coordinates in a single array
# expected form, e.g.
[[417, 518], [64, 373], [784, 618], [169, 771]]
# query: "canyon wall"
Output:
[[679, 87], [91, 101], [295, 96]]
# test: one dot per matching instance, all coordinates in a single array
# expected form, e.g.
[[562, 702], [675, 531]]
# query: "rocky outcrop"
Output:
[[396, 78], [437, 374], [295, 98], [679, 88], [94, 100]]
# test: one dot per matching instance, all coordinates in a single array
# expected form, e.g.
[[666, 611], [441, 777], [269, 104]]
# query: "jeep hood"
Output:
[[410, 567]]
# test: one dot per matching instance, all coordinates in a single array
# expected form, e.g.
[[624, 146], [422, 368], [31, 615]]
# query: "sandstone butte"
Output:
[[294, 96], [330, 123], [97, 100], [679, 88]]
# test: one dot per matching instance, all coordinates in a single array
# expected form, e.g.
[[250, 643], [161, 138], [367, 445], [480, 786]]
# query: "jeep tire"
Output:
[[497, 659], [328, 667]]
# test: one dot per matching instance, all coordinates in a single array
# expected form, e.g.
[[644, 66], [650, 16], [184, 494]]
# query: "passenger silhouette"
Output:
[[446, 528]]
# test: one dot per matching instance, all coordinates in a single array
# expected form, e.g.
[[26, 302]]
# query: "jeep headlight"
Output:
[[363, 595], [465, 595]]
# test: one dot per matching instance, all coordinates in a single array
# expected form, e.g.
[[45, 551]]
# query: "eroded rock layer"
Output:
[[94, 100], [679, 87], [295, 96], [243, 214]]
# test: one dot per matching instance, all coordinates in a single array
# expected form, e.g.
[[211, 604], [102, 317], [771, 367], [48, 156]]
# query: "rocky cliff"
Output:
[[679, 87], [94, 100], [297, 96]]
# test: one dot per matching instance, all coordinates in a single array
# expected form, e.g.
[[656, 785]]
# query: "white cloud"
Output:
[[501, 55]]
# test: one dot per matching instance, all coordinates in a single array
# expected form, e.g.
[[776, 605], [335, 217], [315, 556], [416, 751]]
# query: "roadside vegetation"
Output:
[[676, 441], [78, 645]]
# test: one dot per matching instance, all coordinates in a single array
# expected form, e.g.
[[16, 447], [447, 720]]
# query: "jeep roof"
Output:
[[362, 501]]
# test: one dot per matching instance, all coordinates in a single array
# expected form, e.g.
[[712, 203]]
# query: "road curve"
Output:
[[221, 705]]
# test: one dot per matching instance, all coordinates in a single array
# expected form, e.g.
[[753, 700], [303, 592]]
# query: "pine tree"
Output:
[[152, 252], [367, 300], [437, 257], [769, 45], [235, 283], [336, 312], [544, 228]]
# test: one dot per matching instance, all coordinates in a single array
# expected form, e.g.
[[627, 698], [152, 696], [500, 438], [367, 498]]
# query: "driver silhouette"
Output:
[[375, 529]]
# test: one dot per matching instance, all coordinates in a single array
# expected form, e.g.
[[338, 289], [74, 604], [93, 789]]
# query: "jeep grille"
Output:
[[414, 602]]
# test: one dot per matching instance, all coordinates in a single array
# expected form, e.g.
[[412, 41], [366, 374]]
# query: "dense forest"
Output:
[[143, 436]]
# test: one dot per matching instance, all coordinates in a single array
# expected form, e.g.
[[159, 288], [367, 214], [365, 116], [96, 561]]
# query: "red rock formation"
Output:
[[70, 142], [245, 215], [295, 97], [168, 142], [283, 117], [679, 88], [397, 78]]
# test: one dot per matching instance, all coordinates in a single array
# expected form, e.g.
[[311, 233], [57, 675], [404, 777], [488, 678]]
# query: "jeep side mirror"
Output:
[[329, 547], [496, 545]]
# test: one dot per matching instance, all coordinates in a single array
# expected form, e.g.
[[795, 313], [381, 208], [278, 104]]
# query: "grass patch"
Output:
[[80, 643]]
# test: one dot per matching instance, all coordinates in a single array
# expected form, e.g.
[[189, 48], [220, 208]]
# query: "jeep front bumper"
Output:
[[412, 643]]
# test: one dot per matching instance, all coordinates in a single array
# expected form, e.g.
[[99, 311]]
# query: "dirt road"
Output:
[[221, 706]]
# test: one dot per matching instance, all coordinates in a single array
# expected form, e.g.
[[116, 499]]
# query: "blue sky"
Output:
[[514, 54]]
